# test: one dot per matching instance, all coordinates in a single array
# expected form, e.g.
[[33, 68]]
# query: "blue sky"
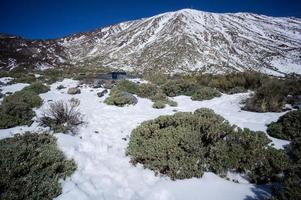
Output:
[[56, 18]]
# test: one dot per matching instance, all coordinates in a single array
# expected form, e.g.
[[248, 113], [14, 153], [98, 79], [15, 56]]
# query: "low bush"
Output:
[[147, 90], [127, 86], [157, 78], [205, 93], [159, 104], [120, 98], [16, 109], [121, 94], [23, 77], [31, 167], [62, 116], [290, 184], [287, 127], [172, 103], [271, 96], [187, 144], [37, 87], [159, 96], [227, 82], [178, 87], [27, 97], [236, 90]]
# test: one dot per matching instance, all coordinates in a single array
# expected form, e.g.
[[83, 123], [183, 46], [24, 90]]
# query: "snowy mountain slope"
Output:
[[185, 40]]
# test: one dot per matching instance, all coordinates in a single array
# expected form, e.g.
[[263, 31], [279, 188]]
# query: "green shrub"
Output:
[[179, 87], [157, 78], [227, 82], [120, 98], [127, 86], [271, 96], [16, 109], [172, 103], [287, 127], [22, 77], [31, 167], [159, 104], [290, 185], [237, 90], [205, 93], [37, 87], [187, 144], [13, 114], [28, 97], [159, 96], [147, 90]]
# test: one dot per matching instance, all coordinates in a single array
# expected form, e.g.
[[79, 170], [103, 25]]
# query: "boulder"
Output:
[[108, 84], [102, 93], [60, 87], [73, 91], [132, 99], [98, 83]]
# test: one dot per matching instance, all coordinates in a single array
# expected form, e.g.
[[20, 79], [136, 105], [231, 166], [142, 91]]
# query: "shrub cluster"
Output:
[[181, 86], [21, 76], [205, 93], [271, 96], [120, 94], [237, 89], [227, 83], [189, 86], [271, 93], [54, 74], [31, 166], [16, 109], [62, 116], [159, 104], [120, 98], [288, 127], [187, 144], [37, 87]]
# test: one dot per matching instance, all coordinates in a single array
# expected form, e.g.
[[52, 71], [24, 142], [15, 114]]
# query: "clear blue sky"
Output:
[[56, 18]]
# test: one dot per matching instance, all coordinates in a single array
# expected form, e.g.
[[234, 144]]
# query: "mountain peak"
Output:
[[180, 41], [188, 10]]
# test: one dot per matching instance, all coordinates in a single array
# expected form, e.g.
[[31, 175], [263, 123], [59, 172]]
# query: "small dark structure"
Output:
[[118, 75], [112, 76]]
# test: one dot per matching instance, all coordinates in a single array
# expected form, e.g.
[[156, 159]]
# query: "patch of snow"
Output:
[[6, 80], [43, 66], [236, 177], [13, 88], [286, 66], [138, 80]]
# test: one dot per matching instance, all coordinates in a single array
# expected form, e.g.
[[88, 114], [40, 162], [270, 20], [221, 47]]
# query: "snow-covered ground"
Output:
[[10, 88], [104, 172]]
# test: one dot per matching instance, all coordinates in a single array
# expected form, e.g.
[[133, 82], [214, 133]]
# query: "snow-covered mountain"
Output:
[[185, 40]]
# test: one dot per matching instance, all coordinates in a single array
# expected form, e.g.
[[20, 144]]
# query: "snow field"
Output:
[[104, 171]]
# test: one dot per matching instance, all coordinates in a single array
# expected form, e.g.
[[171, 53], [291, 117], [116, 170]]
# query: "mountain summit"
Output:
[[185, 40]]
